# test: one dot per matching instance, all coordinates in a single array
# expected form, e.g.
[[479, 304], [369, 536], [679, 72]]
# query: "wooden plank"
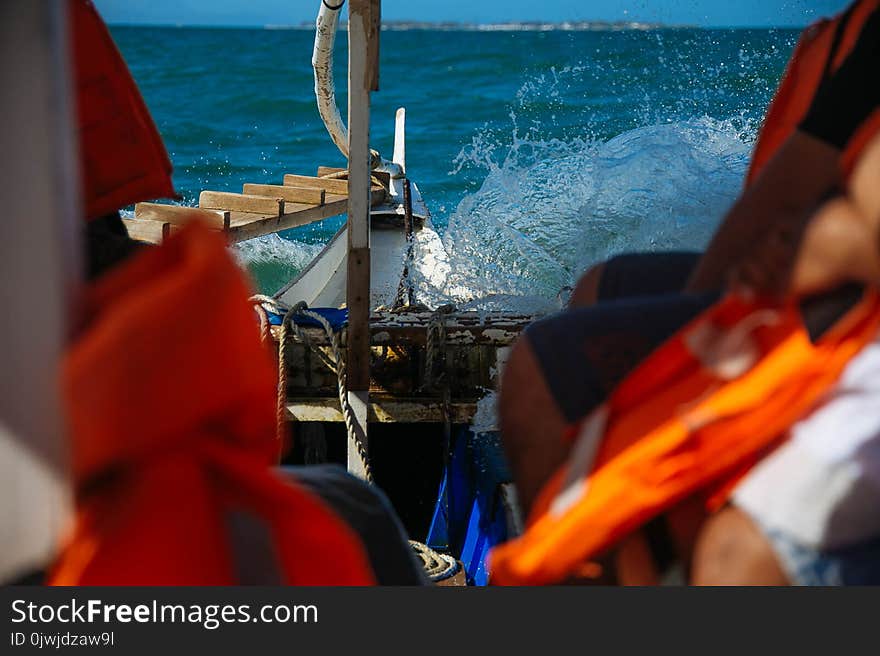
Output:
[[360, 81], [382, 410], [151, 232], [374, 25], [289, 194], [330, 185], [326, 171], [245, 226], [180, 215], [358, 303], [222, 200], [247, 222]]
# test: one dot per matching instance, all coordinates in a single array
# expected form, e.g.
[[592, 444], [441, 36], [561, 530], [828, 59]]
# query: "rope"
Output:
[[405, 291], [281, 392], [435, 340], [336, 175], [337, 364], [435, 356], [437, 566]]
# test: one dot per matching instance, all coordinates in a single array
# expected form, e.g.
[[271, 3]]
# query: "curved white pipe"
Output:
[[325, 90], [322, 62]]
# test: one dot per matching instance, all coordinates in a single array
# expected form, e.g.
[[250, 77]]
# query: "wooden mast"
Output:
[[363, 66]]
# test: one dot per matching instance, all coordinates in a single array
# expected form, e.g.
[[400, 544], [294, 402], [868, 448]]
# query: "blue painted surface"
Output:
[[438, 536], [336, 317], [469, 518]]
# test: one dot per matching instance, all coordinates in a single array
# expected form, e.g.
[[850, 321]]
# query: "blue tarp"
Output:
[[337, 318]]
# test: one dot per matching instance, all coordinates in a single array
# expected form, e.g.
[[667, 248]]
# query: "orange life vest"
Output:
[[172, 425], [820, 51], [122, 158], [723, 389]]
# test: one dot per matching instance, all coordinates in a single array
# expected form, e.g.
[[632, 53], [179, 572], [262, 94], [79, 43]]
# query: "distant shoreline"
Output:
[[524, 26]]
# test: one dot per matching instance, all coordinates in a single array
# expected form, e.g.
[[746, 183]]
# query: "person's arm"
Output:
[[842, 240], [800, 175], [864, 183], [841, 244]]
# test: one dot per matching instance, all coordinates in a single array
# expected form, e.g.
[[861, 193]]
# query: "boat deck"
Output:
[[414, 378], [404, 386]]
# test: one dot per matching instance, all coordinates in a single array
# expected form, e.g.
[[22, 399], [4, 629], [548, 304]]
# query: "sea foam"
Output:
[[548, 207]]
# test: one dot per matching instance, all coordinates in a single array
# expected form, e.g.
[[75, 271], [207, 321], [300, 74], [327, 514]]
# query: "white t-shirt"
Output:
[[822, 486]]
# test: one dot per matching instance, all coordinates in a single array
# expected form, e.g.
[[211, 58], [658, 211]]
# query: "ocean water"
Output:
[[538, 153]]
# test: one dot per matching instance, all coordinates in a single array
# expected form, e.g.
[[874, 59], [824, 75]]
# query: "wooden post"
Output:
[[39, 267], [362, 77]]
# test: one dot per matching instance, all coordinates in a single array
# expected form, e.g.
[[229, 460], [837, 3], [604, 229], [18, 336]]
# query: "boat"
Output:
[[364, 362]]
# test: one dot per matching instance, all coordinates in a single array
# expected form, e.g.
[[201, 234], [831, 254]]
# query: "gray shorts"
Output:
[[586, 352], [855, 565]]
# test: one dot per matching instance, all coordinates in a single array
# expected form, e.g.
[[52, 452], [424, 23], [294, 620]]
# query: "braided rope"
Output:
[[281, 392], [437, 566], [355, 435], [434, 342]]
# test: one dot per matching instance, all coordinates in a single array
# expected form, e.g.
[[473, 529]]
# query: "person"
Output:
[[189, 496], [678, 434], [554, 368], [622, 310], [807, 512]]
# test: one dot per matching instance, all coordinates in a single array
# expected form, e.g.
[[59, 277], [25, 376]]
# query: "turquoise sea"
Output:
[[537, 152]]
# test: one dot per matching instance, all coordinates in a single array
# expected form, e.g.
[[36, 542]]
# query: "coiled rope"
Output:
[[337, 364], [437, 566]]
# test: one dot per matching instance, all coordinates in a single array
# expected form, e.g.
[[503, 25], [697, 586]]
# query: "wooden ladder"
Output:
[[260, 209]]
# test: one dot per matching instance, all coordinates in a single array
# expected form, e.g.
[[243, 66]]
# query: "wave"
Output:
[[273, 260], [548, 209]]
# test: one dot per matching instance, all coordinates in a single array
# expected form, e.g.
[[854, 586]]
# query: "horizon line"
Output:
[[413, 25]]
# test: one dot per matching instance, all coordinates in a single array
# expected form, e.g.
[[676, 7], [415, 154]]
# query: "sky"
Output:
[[713, 13]]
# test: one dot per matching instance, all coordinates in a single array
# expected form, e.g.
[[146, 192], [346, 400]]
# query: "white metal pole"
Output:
[[39, 264]]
